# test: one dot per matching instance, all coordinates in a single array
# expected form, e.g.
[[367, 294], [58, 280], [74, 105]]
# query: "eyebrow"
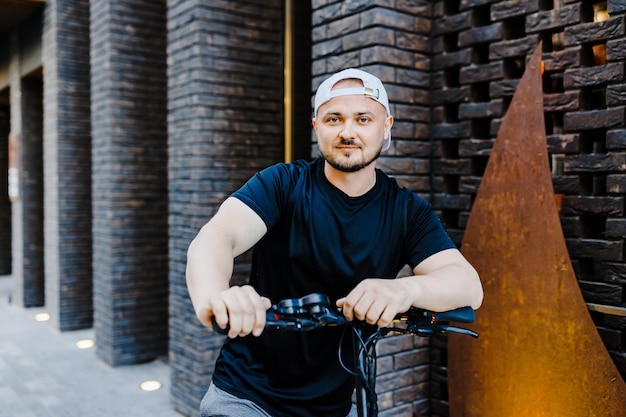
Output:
[[337, 113]]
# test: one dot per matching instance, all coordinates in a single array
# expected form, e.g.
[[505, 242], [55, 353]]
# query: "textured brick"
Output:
[[562, 60], [129, 189], [29, 268], [214, 111], [592, 76], [616, 183], [481, 34], [616, 139], [561, 102], [596, 31], [595, 163], [563, 143], [513, 48], [597, 249], [512, 8], [454, 23], [594, 119], [616, 95], [481, 73], [480, 110], [5, 203], [609, 206], [553, 19], [594, 292]]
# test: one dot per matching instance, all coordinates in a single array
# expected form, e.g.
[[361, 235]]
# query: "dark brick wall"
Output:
[[5, 204], [480, 52], [67, 167], [391, 40], [31, 194], [225, 123], [129, 191]]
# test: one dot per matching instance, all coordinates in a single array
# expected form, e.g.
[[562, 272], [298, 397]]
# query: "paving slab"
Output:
[[44, 374]]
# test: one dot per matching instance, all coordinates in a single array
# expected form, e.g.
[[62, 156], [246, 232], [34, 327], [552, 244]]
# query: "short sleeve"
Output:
[[267, 191], [426, 234]]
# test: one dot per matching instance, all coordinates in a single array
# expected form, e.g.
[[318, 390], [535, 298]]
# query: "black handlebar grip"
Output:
[[270, 318], [460, 315]]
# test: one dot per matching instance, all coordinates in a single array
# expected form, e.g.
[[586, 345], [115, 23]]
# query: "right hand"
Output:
[[241, 309]]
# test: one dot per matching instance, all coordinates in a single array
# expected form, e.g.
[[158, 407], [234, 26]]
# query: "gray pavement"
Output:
[[44, 374]]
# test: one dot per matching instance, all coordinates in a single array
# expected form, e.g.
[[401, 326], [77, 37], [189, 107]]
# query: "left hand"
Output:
[[376, 301]]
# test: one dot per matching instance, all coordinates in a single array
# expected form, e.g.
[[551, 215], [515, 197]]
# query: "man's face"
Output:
[[351, 129]]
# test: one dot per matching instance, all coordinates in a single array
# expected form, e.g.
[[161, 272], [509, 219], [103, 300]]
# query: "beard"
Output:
[[350, 164]]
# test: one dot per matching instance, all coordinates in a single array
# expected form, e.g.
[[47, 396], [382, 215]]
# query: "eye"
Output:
[[332, 120], [364, 119]]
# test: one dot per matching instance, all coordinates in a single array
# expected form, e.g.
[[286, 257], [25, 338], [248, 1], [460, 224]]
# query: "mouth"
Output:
[[348, 150], [348, 146]]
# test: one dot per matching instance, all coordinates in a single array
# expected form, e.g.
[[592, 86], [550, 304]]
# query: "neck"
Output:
[[354, 184]]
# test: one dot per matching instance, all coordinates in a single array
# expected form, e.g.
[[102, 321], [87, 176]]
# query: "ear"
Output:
[[389, 123]]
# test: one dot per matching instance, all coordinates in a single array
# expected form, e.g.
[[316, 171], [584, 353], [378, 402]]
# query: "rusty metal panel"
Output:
[[539, 353]]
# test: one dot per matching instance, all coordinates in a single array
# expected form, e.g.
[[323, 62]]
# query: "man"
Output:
[[337, 226]]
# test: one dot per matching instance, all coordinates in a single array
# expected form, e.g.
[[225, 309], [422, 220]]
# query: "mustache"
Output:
[[348, 142]]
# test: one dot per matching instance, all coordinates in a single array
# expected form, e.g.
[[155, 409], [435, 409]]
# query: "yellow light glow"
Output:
[[150, 385], [42, 317], [85, 344], [601, 15]]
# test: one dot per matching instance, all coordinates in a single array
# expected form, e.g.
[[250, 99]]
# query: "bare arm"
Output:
[[443, 281], [234, 229]]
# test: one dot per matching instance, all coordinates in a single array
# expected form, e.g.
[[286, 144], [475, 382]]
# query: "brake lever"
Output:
[[295, 324], [440, 328]]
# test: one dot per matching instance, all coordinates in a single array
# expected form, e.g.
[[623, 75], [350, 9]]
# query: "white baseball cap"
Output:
[[372, 88]]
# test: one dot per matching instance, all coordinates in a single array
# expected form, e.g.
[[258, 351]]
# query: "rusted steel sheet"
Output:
[[539, 353]]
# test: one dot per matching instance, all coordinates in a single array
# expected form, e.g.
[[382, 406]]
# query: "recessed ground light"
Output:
[[150, 385], [85, 344], [42, 317]]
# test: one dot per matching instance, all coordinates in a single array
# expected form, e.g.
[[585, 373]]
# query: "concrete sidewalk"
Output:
[[44, 374]]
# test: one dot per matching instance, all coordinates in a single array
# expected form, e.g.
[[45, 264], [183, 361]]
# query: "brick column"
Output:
[[394, 44], [27, 208], [129, 172], [67, 155], [5, 203], [225, 103]]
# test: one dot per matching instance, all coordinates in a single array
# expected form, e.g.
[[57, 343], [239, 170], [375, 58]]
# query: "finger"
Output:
[[219, 312], [346, 308], [234, 307], [387, 317], [260, 316], [363, 309], [247, 312], [251, 303], [375, 312], [341, 303], [348, 303], [205, 315]]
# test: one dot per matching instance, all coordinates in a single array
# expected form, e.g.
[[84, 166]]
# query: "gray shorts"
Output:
[[219, 403]]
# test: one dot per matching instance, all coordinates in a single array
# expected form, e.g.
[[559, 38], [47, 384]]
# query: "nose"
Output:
[[348, 130]]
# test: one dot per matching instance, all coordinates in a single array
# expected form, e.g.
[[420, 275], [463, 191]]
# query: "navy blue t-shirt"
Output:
[[319, 240]]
